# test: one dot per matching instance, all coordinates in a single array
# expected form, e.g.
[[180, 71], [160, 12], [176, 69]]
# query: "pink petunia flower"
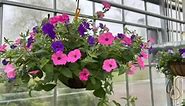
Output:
[[9, 68], [60, 18], [144, 54], [140, 61], [126, 40], [132, 70], [34, 72], [84, 74], [74, 55], [11, 74], [100, 14], [3, 48], [59, 58], [17, 41], [106, 39], [106, 5], [65, 18], [109, 65]]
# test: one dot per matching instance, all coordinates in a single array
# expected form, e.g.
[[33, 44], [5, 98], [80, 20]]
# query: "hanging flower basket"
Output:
[[178, 69], [80, 54]]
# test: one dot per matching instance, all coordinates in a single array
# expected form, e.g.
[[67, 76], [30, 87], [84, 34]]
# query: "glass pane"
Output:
[[159, 86], [45, 3], [113, 27], [70, 5], [153, 21], [115, 1], [139, 4], [140, 31], [140, 87], [75, 97], [119, 88], [113, 13], [133, 17], [17, 20]]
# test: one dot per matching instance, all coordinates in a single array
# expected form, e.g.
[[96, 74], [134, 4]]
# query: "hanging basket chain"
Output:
[[77, 13]]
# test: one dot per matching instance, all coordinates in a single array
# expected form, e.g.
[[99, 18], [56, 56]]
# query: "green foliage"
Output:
[[38, 58]]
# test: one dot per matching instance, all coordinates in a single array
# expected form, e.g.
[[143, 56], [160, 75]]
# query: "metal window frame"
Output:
[[123, 22]]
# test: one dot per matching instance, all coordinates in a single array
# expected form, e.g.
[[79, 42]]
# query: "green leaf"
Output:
[[43, 62], [66, 72], [116, 103], [99, 93], [74, 66], [48, 87], [122, 69], [48, 68]]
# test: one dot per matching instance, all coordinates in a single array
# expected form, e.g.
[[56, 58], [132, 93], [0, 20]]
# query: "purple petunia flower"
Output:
[[57, 46], [170, 51], [49, 30], [30, 41], [101, 25], [121, 36], [83, 28], [35, 29], [13, 46], [5, 62], [133, 37], [91, 40], [181, 51]]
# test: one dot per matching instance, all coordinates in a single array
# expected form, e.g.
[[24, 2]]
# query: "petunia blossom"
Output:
[[126, 40], [11, 75], [100, 14], [91, 40], [109, 65], [34, 72], [84, 74], [64, 18], [3, 48], [132, 70], [17, 41], [144, 54], [74, 55], [5, 62], [59, 58], [106, 39], [9, 68], [48, 29], [140, 61], [57, 46], [106, 5], [183, 55]]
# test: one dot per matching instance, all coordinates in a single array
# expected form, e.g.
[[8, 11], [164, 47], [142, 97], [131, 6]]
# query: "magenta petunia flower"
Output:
[[140, 61], [84, 74], [59, 58], [106, 39], [132, 70], [109, 65], [59, 19], [106, 5], [100, 14], [17, 41], [3, 48], [144, 54], [11, 75], [34, 72], [126, 40], [74, 55], [9, 68]]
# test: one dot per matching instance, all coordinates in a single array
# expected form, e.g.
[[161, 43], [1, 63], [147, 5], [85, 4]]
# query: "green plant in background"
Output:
[[77, 53], [169, 57]]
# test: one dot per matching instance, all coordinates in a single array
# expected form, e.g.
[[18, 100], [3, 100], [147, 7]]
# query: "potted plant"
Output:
[[172, 62], [80, 54]]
